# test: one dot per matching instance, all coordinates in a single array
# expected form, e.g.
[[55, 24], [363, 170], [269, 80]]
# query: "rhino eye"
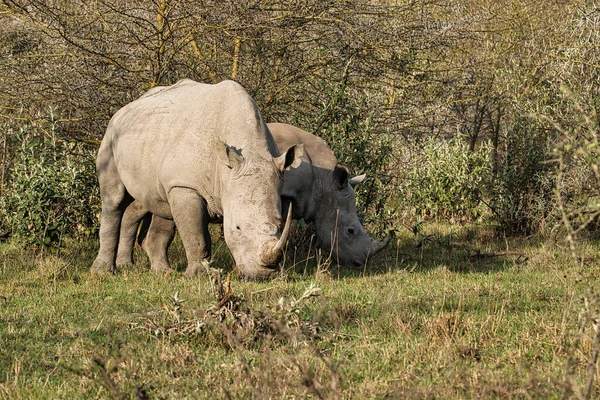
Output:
[[351, 231]]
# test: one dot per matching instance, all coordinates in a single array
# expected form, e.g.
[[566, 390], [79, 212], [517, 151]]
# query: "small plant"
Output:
[[578, 202], [230, 322]]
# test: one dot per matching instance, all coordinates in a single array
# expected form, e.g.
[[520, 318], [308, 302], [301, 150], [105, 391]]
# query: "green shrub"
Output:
[[51, 191], [577, 155], [444, 180], [523, 192]]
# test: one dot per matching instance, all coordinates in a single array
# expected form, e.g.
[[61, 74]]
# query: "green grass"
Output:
[[421, 322]]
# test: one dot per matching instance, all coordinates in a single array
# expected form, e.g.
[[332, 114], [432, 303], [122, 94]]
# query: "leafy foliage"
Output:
[[445, 180], [52, 189], [375, 79], [578, 175]]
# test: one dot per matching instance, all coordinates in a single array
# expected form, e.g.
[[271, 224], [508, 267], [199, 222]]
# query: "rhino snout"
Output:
[[270, 256], [364, 254], [256, 274]]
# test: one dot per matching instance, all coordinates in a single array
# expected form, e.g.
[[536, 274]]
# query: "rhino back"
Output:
[[167, 138], [316, 151]]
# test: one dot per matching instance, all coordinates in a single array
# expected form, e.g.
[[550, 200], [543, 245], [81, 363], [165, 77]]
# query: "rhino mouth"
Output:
[[261, 274], [356, 262], [362, 259], [351, 262]]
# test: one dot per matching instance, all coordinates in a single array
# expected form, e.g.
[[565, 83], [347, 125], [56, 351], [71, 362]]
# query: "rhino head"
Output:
[[251, 200], [336, 220]]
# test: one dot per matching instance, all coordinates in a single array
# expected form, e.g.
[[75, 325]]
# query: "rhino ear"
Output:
[[340, 175], [357, 179], [228, 155], [291, 158]]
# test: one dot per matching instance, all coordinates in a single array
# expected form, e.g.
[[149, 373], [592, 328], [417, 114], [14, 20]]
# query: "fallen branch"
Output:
[[587, 259]]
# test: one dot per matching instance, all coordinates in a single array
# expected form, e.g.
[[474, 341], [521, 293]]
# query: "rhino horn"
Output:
[[378, 245], [270, 256]]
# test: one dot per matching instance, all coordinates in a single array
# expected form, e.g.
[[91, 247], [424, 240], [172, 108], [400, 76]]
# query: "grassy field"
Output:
[[453, 316]]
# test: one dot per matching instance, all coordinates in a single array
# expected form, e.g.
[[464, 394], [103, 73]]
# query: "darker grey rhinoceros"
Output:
[[319, 191], [195, 153]]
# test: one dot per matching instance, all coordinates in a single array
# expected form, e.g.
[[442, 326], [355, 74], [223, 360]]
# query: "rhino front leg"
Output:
[[191, 217], [156, 240], [129, 227]]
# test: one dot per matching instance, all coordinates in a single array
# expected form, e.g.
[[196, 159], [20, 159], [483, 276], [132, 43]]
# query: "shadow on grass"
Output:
[[459, 249], [462, 249]]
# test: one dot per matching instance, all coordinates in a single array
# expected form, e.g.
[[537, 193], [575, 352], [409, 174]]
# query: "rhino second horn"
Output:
[[271, 256], [357, 179]]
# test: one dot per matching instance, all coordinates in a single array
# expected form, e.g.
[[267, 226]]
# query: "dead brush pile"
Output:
[[231, 323]]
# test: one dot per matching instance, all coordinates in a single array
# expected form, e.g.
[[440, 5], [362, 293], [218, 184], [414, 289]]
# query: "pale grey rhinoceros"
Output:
[[195, 153], [318, 189]]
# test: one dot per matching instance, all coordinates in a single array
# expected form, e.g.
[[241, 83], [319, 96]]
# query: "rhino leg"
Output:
[[115, 200], [156, 239], [109, 236], [191, 217], [129, 227]]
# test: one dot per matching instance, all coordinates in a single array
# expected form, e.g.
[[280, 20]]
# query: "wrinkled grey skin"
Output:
[[319, 191], [194, 153]]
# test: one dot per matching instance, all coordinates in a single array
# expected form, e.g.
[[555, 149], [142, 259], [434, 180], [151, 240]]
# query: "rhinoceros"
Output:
[[195, 153], [318, 190]]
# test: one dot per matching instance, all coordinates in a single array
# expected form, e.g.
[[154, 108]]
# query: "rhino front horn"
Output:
[[272, 255], [378, 245]]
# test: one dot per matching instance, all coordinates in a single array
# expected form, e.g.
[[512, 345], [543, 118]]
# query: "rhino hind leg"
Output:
[[155, 240], [190, 214], [130, 223], [115, 200], [109, 236]]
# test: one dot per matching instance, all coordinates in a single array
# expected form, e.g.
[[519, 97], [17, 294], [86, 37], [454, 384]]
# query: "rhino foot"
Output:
[[124, 265], [124, 262], [161, 269], [101, 267], [198, 268]]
